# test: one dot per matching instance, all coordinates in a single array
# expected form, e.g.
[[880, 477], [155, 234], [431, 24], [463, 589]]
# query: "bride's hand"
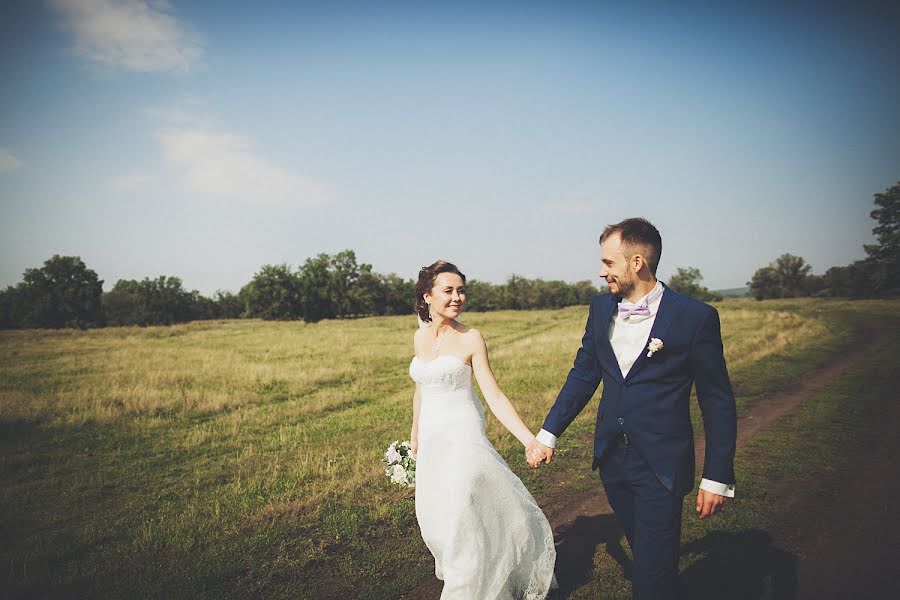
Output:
[[414, 448], [536, 453]]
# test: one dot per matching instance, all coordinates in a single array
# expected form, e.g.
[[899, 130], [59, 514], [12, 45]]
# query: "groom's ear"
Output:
[[637, 262]]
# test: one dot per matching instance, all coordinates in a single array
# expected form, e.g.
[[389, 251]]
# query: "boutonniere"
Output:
[[654, 346]]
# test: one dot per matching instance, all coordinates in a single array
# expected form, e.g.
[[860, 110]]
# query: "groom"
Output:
[[649, 345]]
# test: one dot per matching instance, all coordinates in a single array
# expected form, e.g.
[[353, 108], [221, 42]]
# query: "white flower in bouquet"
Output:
[[392, 456], [398, 474], [399, 464]]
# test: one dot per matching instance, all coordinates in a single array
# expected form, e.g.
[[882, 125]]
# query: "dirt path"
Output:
[[584, 520], [847, 524], [852, 535]]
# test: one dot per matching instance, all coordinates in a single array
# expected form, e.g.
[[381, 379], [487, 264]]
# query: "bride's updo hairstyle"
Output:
[[427, 275]]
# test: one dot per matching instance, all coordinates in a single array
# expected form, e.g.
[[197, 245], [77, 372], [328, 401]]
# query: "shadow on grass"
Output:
[[18, 430], [577, 544], [739, 566]]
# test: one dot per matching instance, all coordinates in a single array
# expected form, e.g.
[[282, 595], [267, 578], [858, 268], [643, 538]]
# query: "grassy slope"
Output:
[[238, 458]]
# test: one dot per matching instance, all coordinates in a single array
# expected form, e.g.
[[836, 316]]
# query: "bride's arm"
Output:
[[414, 434], [493, 395], [417, 401]]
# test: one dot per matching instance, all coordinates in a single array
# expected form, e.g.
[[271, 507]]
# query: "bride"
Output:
[[489, 538]]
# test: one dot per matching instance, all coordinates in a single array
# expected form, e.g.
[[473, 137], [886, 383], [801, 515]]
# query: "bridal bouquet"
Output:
[[399, 464]]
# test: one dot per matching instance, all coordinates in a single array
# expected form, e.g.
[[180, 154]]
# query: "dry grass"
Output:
[[280, 392]]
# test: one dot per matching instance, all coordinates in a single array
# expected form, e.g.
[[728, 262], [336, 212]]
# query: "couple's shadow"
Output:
[[739, 566]]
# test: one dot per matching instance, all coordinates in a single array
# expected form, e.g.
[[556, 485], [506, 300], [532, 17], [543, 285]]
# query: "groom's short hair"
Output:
[[638, 236]]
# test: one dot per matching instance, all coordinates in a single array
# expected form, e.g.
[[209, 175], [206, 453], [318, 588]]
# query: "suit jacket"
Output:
[[651, 405]]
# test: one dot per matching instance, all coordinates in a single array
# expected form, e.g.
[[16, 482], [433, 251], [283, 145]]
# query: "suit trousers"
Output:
[[650, 516]]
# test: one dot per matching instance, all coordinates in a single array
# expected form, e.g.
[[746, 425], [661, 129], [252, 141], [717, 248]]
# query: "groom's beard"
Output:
[[625, 286]]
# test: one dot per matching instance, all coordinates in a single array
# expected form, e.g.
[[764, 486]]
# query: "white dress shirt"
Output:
[[628, 339]]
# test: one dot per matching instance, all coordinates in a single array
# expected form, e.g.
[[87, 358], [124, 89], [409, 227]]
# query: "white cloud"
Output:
[[8, 162], [224, 165], [132, 181], [138, 35]]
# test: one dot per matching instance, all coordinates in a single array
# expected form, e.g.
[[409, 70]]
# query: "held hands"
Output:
[[709, 503], [536, 453]]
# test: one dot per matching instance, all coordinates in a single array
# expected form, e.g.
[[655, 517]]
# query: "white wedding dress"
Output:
[[489, 538]]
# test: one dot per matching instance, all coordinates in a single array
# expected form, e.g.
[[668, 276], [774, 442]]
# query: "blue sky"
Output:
[[206, 139]]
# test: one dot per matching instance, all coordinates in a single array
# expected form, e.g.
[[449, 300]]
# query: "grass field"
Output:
[[241, 458]]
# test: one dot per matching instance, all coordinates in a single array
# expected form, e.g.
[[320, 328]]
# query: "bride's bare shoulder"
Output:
[[472, 336]]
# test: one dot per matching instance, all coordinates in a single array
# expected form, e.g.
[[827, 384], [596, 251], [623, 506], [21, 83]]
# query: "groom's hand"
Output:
[[536, 453], [709, 503]]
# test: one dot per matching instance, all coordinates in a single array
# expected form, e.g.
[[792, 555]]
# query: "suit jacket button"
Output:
[[621, 420]]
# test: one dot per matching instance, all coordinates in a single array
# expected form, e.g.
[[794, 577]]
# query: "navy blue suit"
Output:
[[643, 441]]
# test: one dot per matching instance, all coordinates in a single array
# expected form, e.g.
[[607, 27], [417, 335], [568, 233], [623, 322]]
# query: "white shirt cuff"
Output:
[[546, 438], [722, 489]]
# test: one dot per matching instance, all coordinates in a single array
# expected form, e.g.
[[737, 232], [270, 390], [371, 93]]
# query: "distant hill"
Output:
[[734, 292]]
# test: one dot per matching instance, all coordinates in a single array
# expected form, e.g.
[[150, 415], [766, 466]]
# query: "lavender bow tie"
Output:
[[626, 309]]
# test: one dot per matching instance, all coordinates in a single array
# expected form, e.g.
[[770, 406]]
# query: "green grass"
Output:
[[240, 458]]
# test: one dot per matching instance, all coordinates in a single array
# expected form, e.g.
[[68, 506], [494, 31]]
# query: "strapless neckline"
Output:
[[437, 358]]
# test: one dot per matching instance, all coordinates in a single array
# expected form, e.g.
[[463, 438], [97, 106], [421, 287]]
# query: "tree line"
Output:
[[789, 276], [64, 292]]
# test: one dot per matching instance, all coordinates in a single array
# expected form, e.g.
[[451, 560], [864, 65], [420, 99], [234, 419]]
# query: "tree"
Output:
[[62, 293], [852, 281], [159, 301], [785, 277], [344, 274], [165, 301], [554, 294], [122, 305], [202, 308], [11, 308], [815, 285], [228, 305], [355, 289], [273, 293], [316, 287], [884, 256], [484, 296], [765, 284], [585, 291], [521, 293], [396, 295], [366, 294], [687, 281], [792, 272]]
